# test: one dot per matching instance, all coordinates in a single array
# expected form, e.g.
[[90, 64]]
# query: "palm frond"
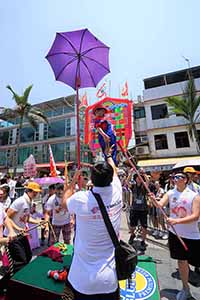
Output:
[[178, 106], [27, 92], [38, 114], [32, 120], [8, 114], [18, 99]]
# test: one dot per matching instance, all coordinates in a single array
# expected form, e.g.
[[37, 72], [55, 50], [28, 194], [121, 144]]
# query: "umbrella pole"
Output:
[[78, 128]]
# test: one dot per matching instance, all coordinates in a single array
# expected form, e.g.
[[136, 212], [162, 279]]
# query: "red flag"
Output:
[[84, 102], [124, 92], [53, 171], [101, 93]]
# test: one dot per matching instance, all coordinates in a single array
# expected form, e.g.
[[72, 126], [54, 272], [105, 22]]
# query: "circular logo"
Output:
[[142, 286]]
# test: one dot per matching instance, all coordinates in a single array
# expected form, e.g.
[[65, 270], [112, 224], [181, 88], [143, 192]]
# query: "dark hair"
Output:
[[6, 188], [136, 176], [59, 186], [102, 174], [52, 187]]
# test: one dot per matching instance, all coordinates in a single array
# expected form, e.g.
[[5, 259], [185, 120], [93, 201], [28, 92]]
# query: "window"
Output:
[[68, 127], [4, 136], [58, 152], [27, 134], [2, 158], [139, 112], [24, 153], [159, 111], [161, 141], [181, 139], [141, 139], [56, 129]]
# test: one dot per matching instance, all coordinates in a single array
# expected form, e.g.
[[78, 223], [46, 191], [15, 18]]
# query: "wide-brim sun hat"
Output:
[[100, 106], [34, 186]]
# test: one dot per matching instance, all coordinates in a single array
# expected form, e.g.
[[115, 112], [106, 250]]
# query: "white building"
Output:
[[160, 134]]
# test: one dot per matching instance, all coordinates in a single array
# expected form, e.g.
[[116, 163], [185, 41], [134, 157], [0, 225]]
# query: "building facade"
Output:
[[158, 132], [60, 133]]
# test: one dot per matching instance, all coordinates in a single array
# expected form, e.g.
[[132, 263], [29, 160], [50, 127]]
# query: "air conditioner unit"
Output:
[[142, 150]]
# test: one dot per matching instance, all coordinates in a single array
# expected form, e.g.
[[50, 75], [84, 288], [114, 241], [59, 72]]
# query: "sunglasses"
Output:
[[179, 177]]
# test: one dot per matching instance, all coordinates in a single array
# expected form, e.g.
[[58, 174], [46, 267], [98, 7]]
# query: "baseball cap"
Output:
[[189, 170], [34, 186]]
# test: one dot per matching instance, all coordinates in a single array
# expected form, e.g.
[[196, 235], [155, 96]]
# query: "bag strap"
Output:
[[106, 218]]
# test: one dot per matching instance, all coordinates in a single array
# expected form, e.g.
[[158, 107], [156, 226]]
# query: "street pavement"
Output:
[[166, 267]]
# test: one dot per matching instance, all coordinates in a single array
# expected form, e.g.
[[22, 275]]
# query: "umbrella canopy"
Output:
[[78, 58], [48, 180], [187, 163]]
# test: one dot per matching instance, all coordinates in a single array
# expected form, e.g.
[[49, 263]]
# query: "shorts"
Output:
[[177, 250], [138, 217]]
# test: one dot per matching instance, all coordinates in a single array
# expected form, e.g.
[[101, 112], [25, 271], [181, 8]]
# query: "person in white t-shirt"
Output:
[[19, 211], [184, 205], [5, 199], [12, 184], [92, 273], [60, 216], [5, 221]]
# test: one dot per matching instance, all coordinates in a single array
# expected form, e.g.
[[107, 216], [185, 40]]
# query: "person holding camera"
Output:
[[92, 274], [139, 207]]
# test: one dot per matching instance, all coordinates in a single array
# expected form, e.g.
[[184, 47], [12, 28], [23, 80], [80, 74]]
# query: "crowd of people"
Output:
[[69, 209]]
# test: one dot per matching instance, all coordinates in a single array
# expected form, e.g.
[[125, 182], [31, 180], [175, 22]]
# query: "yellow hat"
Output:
[[34, 186], [189, 170]]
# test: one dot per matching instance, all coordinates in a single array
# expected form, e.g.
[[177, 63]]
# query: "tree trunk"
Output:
[[196, 136], [17, 148]]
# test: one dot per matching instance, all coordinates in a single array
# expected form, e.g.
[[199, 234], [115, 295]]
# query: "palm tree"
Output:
[[186, 107], [23, 110]]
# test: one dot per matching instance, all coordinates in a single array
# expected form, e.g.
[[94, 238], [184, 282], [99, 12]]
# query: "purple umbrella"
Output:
[[80, 60], [48, 180]]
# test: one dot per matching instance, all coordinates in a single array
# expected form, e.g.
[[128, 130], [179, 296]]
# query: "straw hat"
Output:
[[189, 170]]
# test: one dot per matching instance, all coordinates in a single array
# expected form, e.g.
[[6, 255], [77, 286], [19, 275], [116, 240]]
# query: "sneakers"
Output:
[[165, 236], [155, 233], [143, 246], [183, 295], [131, 239]]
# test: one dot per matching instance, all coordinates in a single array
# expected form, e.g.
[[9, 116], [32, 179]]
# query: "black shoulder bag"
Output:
[[125, 255]]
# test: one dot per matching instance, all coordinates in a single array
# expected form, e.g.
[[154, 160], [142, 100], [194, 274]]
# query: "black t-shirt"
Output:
[[139, 197]]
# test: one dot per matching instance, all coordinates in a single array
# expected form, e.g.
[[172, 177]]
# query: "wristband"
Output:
[[109, 155]]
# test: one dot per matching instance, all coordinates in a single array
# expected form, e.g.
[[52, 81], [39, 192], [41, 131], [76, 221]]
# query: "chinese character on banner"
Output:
[[84, 102], [101, 93], [30, 167], [124, 92]]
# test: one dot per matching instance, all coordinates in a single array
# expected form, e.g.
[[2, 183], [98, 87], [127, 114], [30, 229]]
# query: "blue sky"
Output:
[[146, 38]]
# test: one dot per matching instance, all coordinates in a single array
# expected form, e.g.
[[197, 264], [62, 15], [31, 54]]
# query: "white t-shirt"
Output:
[[93, 265], [22, 206], [12, 184], [180, 207], [2, 214], [7, 203], [2, 218], [60, 216]]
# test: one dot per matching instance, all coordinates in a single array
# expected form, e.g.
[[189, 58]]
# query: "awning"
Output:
[[58, 164], [163, 164]]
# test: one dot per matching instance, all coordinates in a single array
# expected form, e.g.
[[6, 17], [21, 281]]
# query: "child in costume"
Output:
[[106, 134]]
